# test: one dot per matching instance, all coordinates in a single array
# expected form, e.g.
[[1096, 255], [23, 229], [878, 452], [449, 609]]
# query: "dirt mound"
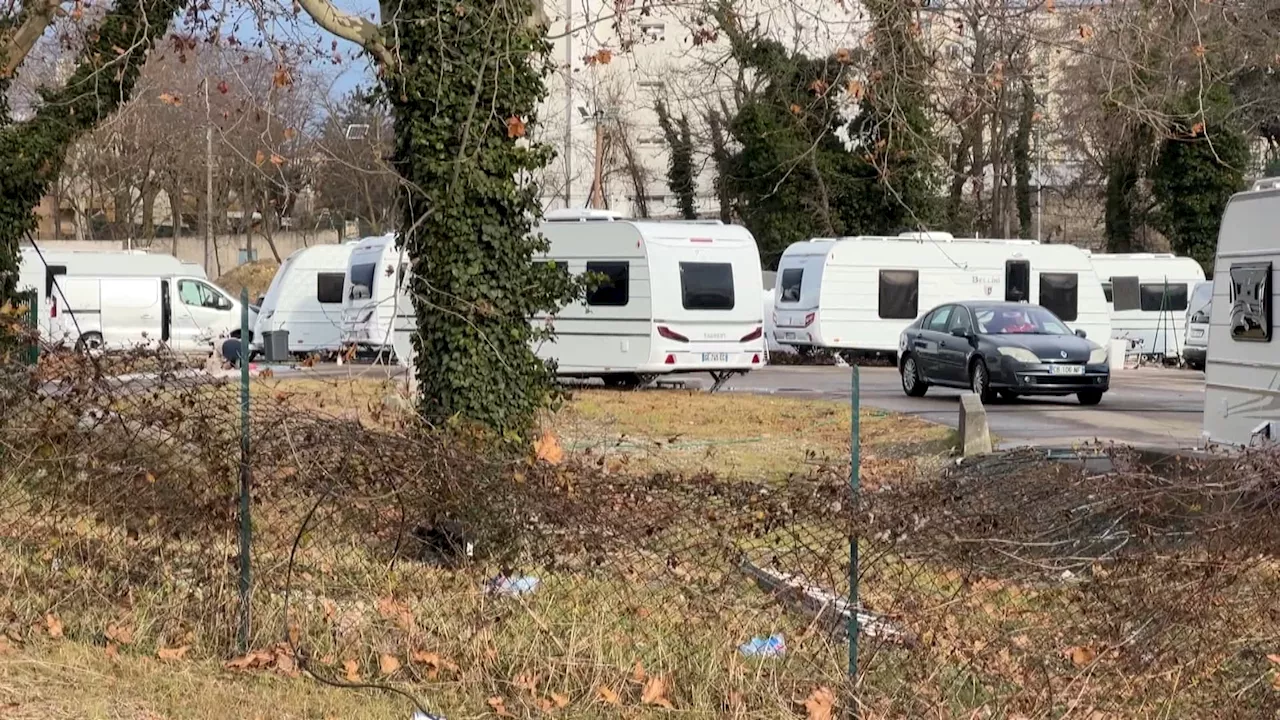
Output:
[[256, 276]]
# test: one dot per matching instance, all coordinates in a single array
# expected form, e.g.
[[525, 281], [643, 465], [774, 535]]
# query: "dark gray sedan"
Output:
[[1010, 349]]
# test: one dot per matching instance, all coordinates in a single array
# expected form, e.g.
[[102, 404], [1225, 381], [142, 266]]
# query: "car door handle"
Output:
[[942, 343]]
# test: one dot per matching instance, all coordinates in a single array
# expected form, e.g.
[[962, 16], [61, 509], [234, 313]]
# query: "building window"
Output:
[[613, 290], [899, 294]]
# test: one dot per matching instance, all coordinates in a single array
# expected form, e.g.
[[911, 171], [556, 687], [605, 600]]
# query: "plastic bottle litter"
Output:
[[772, 646], [514, 586]]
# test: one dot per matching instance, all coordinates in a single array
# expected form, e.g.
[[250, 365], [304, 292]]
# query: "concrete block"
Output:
[[975, 434]]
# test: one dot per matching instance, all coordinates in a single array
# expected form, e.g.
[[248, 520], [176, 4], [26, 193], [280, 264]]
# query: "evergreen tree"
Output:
[[681, 174]]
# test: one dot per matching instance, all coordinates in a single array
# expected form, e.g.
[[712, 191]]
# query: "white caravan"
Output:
[[1196, 333], [860, 293], [305, 298], [375, 274], [1242, 373], [678, 297], [1164, 280], [185, 314]]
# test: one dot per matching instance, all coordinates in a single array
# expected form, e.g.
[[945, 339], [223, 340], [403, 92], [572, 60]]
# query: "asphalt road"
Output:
[[1147, 406], [1153, 407]]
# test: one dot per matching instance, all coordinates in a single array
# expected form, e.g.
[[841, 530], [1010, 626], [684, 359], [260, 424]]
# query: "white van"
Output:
[[679, 297], [185, 314], [375, 272], [1196, 332], [1164, 280], [1242, 370], [306, 299], [860, 293]]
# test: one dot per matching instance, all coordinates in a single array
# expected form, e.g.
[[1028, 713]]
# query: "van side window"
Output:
[[1161, 297], [1250, 295], [197, 294], [706, 286], [1060, 294], [899, 294], [614, 289], [792, 278], [329, 287]]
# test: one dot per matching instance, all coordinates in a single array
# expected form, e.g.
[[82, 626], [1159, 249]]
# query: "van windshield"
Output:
[[362, 281]]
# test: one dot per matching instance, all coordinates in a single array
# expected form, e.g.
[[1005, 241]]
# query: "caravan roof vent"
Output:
[[1271, 183], [582, 215], [936, 236]]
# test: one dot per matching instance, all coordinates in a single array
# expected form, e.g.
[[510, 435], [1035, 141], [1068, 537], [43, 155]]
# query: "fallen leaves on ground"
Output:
[[171, 654], [434, 663], [120, 634], [607, 696], [820, 705], [527, 682], [499, 707], [655, 693], [396, 612], [555, 701], [351, 670], [53, 625], [548, 450], [1080, 655], [388, 664]]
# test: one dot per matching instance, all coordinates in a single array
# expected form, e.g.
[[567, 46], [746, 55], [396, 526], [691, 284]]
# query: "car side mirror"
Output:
[[1081, 333], [961, 333]]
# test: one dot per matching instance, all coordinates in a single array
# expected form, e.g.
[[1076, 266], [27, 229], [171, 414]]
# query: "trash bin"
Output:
[[275, 345]]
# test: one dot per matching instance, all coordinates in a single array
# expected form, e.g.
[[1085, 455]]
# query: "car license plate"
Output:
[[715, 357], [789, 335], [1197, 333], [1066, 369]]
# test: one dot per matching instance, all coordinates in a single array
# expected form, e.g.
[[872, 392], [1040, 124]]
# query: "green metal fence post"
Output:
[[32, 298], [246, 529], [855, 460]]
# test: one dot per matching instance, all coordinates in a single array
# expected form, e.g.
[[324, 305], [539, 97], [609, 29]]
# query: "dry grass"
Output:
[[255, 276]]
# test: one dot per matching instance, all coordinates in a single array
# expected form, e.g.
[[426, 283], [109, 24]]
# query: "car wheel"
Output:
[[89, 341], [912, 384], [1090, 397], [980, 382]]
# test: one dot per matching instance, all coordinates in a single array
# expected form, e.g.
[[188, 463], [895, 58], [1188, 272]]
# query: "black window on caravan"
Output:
[[792, 279], [1060, 294], [899, 294], [706, 286], [329, 287], [1164, 297], [362, 281], [1017, 281], [1250, 297], [1106, 291], [614, 288]]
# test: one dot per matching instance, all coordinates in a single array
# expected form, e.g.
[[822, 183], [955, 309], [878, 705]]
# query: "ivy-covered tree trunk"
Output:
[[32, 151], [468, 79], [1022, 160], [681, 175]]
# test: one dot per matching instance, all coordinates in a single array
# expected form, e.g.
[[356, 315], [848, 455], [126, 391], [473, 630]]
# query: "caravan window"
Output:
[[362, 281], [1157, 297], [790, 288], [1250, 296], [613, 290], [706, 286], [329, 287], [1059, 294], [1017, 281], [1106, 291], [899, 294]]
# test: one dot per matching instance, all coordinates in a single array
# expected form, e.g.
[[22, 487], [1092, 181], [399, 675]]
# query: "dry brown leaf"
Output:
[[1275, 682], [854, 88], [170, 99], [796, 109], [177, 653], [527, 681], [655, 693], [285, 662], [277, 160], [351, 670], [1197, 129], [1080, 655], [120, 634], [53, 625], [818, 87], [290, 133], [548, 450], [255, 660], [515, 127], [499, 707], [843, 56], [259, 158], [388, 664], [559, 701], [637, 673], [1198, 50], [820, 705], [1049, 6], [282, 76], [1086, 32], [607, 696], [396, 612], [330, 608], [113, 651], [602, 56], [1275, 659]]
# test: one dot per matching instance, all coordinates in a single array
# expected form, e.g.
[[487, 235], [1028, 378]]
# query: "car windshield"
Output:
[[1018, 320]]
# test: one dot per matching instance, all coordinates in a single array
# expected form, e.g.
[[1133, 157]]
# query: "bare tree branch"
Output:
[[36, 18], [354, 28]]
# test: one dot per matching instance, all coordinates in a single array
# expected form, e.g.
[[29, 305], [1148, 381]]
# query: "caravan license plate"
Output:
[[715, 357], [1197, 333], [1066, 369]]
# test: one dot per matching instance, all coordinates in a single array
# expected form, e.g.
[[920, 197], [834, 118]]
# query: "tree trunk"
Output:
[[1022, 161]]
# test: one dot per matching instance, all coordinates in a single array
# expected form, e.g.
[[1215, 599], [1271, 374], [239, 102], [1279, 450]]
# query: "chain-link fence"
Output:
[[477, 581]]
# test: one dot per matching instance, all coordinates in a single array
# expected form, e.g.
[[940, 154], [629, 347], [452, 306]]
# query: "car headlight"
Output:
[[1022, 355], [1098, 356]]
